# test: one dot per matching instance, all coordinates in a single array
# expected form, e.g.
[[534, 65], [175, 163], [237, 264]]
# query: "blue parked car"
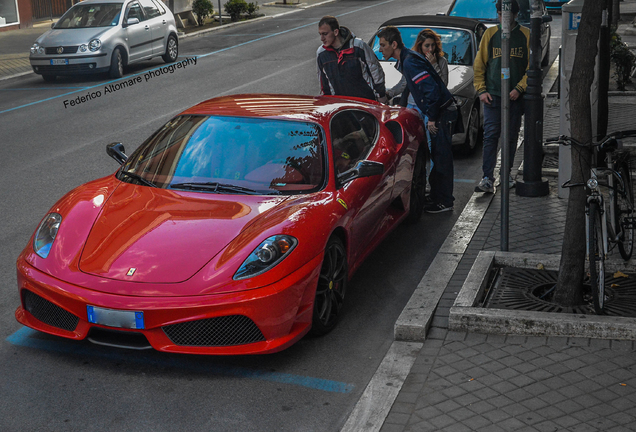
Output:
[[486, 12]]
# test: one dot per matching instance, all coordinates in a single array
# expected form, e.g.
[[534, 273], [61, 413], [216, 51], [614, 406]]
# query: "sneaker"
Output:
[[436, 208], [485, 185]]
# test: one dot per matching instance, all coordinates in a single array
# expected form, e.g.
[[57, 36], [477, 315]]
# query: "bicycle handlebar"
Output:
[[567, 140]]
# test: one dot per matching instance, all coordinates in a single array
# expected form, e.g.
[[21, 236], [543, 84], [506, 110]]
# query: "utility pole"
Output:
[[506, 21], [533, 185]]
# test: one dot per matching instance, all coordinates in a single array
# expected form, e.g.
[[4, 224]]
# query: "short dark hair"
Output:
[[515, 6], [391, 34], [331, 21]]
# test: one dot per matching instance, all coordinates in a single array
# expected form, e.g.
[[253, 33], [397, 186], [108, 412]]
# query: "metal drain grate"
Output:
[[517, 288]]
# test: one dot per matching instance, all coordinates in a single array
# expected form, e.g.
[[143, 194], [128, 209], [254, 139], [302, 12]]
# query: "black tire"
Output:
[[49, 78], [116, 64], [596, 256], [546, 58], [418, 189], [331, 289], [472, 131], [172, 50], [623, 212]]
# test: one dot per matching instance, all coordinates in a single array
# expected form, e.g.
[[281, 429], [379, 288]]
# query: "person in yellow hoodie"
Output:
[[488, 85]]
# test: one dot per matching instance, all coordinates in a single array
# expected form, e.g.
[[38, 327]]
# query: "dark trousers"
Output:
[[441, 176], [492, 131]]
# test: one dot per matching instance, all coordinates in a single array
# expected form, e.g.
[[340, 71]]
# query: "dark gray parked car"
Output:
[[97, 36]]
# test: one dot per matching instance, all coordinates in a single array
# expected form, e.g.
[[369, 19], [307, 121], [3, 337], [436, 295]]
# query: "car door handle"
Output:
[[164, 22], [147, 27]]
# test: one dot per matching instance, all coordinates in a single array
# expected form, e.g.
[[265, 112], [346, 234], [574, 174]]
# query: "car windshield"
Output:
[[237, 155], [456, 43], [90, 15], [485, 10]]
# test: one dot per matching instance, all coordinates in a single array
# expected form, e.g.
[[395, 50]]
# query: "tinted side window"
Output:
[[353, 134], [150, 8], [134, 11], [159, 5]]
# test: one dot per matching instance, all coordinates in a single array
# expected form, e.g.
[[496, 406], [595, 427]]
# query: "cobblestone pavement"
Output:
[[464, 381]]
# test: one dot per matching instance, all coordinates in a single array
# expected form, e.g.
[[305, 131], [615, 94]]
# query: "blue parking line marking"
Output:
[[43, 88], [24, 338], [127, 77]]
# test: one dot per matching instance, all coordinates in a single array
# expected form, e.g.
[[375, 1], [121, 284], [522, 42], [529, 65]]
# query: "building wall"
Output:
[[15, 18]]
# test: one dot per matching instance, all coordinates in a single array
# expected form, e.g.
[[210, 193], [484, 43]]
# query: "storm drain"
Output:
[[220, 331], [528, 289], [47, 312]]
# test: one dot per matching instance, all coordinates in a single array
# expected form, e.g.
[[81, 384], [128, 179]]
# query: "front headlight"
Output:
[[94, 45], [46, 233], [37, 49], [461, 100], [83, 47], [266, 255]]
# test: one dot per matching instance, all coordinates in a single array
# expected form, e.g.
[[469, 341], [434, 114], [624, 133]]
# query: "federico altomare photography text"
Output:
[[137, 79]]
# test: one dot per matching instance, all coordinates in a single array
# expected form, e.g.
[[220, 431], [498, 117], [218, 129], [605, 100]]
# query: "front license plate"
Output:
[[115, 318], [57, 62]]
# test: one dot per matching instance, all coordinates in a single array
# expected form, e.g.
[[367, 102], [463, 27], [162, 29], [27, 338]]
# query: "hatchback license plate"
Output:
[[57, 62], [115, 318]]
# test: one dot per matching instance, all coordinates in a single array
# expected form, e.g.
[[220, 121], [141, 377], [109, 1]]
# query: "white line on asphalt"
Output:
[[377, 399]]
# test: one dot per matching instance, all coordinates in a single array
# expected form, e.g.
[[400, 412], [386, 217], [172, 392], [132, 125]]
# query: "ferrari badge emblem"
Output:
[[131, 271], [60, 50], [344, 204]]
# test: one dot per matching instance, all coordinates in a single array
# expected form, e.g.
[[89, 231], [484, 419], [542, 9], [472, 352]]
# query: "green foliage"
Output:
[[624, 61], [203, 9], [252, 8], [236, 8]]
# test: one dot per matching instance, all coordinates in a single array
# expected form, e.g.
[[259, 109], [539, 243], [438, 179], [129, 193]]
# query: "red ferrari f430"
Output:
[[233, 229]]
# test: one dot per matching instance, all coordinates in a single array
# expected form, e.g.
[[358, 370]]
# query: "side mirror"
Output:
[[547, 18], [53, 24], [364, 168], [132, 21], [117, 152]]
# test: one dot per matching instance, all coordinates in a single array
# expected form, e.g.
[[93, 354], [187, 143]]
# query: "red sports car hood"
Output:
[[159, 236]]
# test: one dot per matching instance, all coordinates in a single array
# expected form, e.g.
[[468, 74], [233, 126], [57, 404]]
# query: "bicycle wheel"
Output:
[[623, 212], [596, 257]]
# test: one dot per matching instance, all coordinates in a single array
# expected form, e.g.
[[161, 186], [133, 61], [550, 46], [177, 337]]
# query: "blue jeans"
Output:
[[492, 131], [441, 176]]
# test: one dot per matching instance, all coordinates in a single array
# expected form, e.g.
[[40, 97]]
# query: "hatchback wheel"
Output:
[[172, 50], [332, 285], [116, 64]]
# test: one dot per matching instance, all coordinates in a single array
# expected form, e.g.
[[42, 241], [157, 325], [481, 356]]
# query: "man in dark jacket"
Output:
[[436, 102], [347, 66]]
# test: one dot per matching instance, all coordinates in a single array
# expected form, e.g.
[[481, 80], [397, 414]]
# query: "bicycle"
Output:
[[614, 226]]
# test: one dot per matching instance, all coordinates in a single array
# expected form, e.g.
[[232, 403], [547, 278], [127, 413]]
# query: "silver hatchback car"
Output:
[[97, 36]]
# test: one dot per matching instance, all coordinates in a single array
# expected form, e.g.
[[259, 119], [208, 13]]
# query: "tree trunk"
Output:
[[572, 267]]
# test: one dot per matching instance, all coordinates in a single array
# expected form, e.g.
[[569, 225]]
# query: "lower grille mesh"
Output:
[[221, 331], [47, 312]]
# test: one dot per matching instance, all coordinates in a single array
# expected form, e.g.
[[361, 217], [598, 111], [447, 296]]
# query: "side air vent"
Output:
[[47, 312], [221, 331]]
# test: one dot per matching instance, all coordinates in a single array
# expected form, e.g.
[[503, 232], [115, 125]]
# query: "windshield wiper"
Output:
[[139, 178], [215, 187]]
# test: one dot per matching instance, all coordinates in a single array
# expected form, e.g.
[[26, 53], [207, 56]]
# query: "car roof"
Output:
[[434, 20], [317, 109], [101, 1]]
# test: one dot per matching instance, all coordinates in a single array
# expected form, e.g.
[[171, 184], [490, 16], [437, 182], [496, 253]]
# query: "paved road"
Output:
[[49, 147]]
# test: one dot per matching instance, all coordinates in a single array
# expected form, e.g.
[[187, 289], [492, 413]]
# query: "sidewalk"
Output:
[[15, 44], [465, 381]]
